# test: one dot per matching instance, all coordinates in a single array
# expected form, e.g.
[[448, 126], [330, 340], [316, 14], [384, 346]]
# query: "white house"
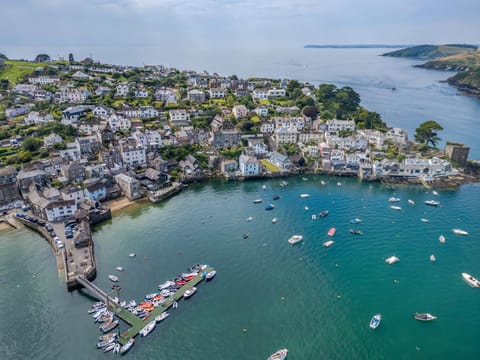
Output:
[[73, 95], [397, 136], [122, 90], [273, 93], [60, 210], [154, 139], [267, 127], [101, 111], [73, 193], [118, 123], [248, 165], [286, 135], [260, 94], [52, 139], [148, 112], [141, 93], [288, 122], [17, 110], [335, 126], [34, 117], [217, 93], [43, 80], [196, 95], [261, 111], [132, 155], [72, 152], [260, 149], [179, 117], [80, 75], [239, 111], [166, 94]]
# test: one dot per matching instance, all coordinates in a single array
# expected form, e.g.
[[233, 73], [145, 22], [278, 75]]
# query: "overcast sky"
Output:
[[236, 23]]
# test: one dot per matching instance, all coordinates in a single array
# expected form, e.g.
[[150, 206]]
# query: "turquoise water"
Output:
[[315, 301]]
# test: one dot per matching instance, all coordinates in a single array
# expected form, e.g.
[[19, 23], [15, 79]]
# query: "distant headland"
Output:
[[356, 46], [432, 51]]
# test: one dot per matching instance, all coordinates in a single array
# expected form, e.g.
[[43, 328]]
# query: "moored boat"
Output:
[[328, 243], [323, 182], [393, 199], [276, 197], [460, 232], [303, 196], [392, 260], [148, 328], [162, 316], [166, 284], [113, 278], [411, 202], [424, 220], [332, 231], [295, 239], [107, 336], [116, 349], [257, 201], [210, 275], [471, 280], [323, 213], [189, 292], [132, 255], [246, 235], [424, 316], [442, 239], [264, 187], [393, 207], [355, 221], [109, 326], [279, 355], [355, 232], [274, 220], [250, 218], [375, 321], [270, 207], [120, 268], [109, 347], [432, 203], [434, 193], [103, 343], [433, 258], [127, 346]]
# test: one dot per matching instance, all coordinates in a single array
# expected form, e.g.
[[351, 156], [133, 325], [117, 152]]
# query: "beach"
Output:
[[121, 203]]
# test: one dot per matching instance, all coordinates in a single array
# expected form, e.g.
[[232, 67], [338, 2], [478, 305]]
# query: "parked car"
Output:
[[60, 244]]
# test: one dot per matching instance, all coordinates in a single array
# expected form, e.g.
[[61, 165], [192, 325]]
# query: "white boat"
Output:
[[442, 239], [411, 202], [433, 258], [434, 193], [393, 199], [306, 208], [392, 260], [116, 349], [162, 316], [109, 347], [264, 187], [274, 220], [128, 345], [279, 355], [150, 296], [295, 239], [424, 317], [314, 217], [328, 243], [283, 183], [119, 268], [250, 218], [304, 179], [471, 280], [323, 182], [339, 183], [375, 321], [190, 292], [210, 275], [175, 305], [103, 343], [432, 202], [424, 220], [148, 328], [460, 232], [393, 207], [132, 255], [303, 196], [257, 201], [113, 278], [166, 284]]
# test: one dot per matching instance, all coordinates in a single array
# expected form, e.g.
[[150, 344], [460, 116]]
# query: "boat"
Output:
[[276, 197], [424, 220], [270, 207], [132, 255], [295, 239], [175, 305], [264, 187], [120, 268], [303, 196], [113, 278], [424, 316], [471, 280], [434, 193], [150, 296], [355, 221], [339, 183], [375, 321], [306, 208], [328, 243], [116, 349], [355, 232], [210, 275], [107, 336], [323, 213], [257, 201], [189, 292], [432, 203], [109, 347], [460, 232], [442, 239], [393, 199], [392, 260], [166, 285], [332, 231], [433, 258], [274, 220], [411, 202], [304, 179], [127, 346], [393, 207], [148, 328], [162, 316], [246, 235], [283, 183], [109, 326], [323, 182], [250, 218], [103, 343], [314, 217], [279, 355]]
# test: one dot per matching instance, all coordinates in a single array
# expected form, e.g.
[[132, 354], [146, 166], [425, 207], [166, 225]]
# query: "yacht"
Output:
[[424, 317], [460, 232], [411, 202], [279, 355], [442, 239], [295, 239], [162, 316], [471, 280], [190, 292], [393, 199], [392, 260], [148, 328], [128, 345], [303, 196], [432, 202], [375, 321], [210, 275], [328, 243], [113, 278]]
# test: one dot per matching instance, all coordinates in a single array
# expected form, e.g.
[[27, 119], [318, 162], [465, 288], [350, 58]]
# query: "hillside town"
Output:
[[84, 132]]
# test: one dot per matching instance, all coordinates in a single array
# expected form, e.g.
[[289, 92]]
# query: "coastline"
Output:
[[121, 203]]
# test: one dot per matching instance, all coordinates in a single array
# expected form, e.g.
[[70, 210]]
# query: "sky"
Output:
[[174, 24]]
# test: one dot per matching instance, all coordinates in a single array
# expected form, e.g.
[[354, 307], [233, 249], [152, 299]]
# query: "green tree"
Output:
[[310, 111], [326, 92], [427, 133], [291, 86], [31, 144]]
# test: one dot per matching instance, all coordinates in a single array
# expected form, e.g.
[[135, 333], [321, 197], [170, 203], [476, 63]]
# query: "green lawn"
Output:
[[269, 166], [15, 70]]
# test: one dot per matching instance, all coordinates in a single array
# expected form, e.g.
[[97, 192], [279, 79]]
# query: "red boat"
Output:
[[189, 277], [331, 232], [180, 283]]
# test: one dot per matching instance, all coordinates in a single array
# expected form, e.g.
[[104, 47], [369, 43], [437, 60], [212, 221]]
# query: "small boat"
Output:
[[339, 183], [434, 193], [107, 336], [246, 235], [257, 201], [148, 328], [264, 187], [276, 197], [283, 183], [392, 260], [105, 342], [113, 278], [279, 355], [393, 199], [116, 287], [175, 305], [323, 182], [433, 258], [128, 345], [424, 220], [411, 202], [314, 217], [270, 207], [460, 232], [250, 218], [210, 275], [424, 316], [132, 255], [332, 231], [432, 203], [116, 349], [150, 296], [328, 243], [323, 213], [303, 196], [109, 347], [162, 316], [274, 220], [306, 208], [355, 232], [304, 179], [295, 239], [393, 207], [166, 284], [189, 292], [109, 326], [471, 280], [375, 321], [442, 239], [120, 268], [355, 221]]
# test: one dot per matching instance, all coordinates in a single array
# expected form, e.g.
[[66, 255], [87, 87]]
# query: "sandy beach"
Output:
[[120, 203], [4, 226]]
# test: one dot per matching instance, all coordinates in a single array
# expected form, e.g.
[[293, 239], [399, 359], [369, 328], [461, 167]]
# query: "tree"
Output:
[[426, 133], [292, 85], [326, 92], [42, 58], [310, 111], [31, 144]]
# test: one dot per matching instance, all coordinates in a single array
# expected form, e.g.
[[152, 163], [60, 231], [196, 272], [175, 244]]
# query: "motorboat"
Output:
[[107, 336], [175, 305], [424, 316], [306, 208], [375, 321], [471, 280], [103, 343], [432, 203], [393, 199], [323, 213], [162, 316], [295, 239], [424, 220], [411, 202], [210, 275], [109, 347], [279, 355], [189, 292], [246, 235], [276, 197], [264, 187], [328, 243], [116, 349], [460, 232], [339, 183], [355, 221], [442, 239], [314, 217], [257, 201], [127, 346], [132, 255], [393, 207], [392, 260], [304, 179], [250, 218], [433, 258], [434, 193], [113, 278], [303, 196], [150, 296], [148, 328], [109, 326], [270, 207], [274, 220], [166, 285], [332, 231], [120, 268], [283, 183], [355, 232], [323, 182]]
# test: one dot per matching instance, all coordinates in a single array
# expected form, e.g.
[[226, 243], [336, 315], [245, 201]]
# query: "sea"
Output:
[[268, 294]]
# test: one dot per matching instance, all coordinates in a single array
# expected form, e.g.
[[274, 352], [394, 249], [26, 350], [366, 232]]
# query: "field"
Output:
[[15, 70], [269, 166]]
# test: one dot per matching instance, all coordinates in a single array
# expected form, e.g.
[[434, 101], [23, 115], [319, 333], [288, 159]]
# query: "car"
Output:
[[56, 238], [60, 244], [20, 215], [69, 235]]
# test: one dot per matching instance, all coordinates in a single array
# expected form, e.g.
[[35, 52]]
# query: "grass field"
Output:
[[15, 70], [269, 166]]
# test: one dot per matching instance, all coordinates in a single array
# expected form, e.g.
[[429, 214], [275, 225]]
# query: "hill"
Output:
[[432, 51], [459, 62], [468, 81], [15, 70]]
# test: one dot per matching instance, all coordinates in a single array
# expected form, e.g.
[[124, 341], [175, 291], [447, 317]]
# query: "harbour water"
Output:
[[315, 301]]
